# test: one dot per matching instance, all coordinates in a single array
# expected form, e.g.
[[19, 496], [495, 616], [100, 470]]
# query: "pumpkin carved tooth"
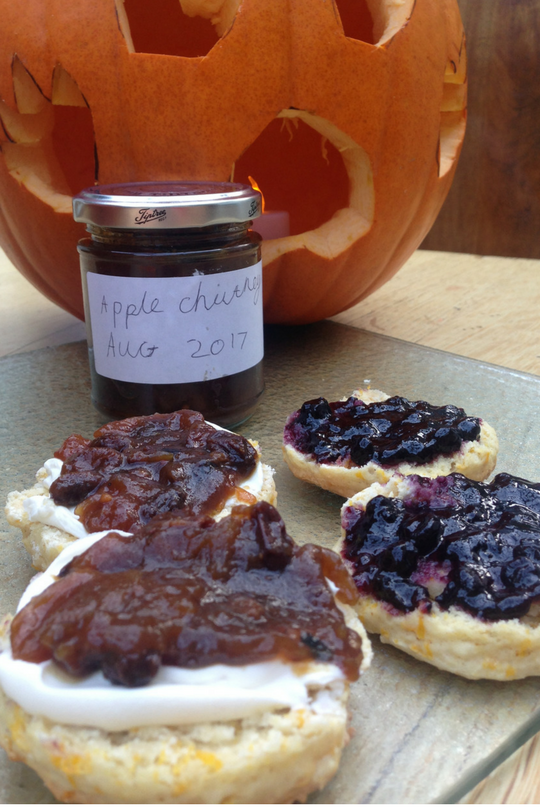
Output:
[[65, 90], [451, 138], [36, 168], [30, 100], [34, 119]]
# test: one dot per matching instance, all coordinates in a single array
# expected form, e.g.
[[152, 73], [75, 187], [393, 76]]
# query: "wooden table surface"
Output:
[[482, 307]]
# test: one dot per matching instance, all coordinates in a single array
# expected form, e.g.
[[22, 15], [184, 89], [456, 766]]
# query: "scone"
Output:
[[347, 445], [448, 570], [132, 470], [193, 661]]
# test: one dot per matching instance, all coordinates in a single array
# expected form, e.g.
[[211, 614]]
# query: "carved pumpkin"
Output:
[[349, 114]]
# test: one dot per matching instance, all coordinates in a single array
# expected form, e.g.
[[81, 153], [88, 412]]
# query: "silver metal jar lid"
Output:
[[164, 205]]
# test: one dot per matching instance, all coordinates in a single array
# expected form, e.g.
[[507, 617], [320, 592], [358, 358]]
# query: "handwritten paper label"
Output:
[[175, 330]]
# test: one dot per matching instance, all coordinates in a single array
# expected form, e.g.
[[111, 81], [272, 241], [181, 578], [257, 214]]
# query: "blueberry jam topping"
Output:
[[477, 546], [389, 432]]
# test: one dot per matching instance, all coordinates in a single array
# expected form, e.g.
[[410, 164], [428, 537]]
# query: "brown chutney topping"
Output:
[[143, 466], [192, 593]]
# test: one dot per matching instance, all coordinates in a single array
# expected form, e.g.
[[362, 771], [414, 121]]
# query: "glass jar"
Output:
[[172, 286]]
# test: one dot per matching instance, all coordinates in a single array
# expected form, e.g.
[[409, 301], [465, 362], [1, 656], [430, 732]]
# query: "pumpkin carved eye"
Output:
[[318, 174], [373, 21], [187, 28], [356, 20]]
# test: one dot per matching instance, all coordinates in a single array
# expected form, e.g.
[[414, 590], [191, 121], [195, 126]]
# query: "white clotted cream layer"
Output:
[[42, 508], [175, 696]]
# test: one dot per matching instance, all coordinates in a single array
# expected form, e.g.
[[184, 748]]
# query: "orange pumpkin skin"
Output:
[[398, 108]]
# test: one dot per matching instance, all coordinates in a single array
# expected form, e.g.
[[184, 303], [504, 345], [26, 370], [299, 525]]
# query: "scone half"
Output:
[[266, 732], [274, 757], [436, 583], [476, 458]]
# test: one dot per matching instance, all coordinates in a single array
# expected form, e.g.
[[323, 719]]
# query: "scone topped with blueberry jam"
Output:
[[347, 445], [448, 570]]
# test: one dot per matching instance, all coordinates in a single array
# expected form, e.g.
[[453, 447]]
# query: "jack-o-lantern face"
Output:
[[349, 115]]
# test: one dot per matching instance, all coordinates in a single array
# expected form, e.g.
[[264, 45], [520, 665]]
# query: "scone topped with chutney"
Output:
[[347, 445], [195, 661], [132, 470], [448, 570]]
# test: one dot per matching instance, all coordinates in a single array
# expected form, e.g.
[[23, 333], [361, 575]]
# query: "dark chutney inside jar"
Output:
[[479, 543], [228, 400], [192, 593]]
